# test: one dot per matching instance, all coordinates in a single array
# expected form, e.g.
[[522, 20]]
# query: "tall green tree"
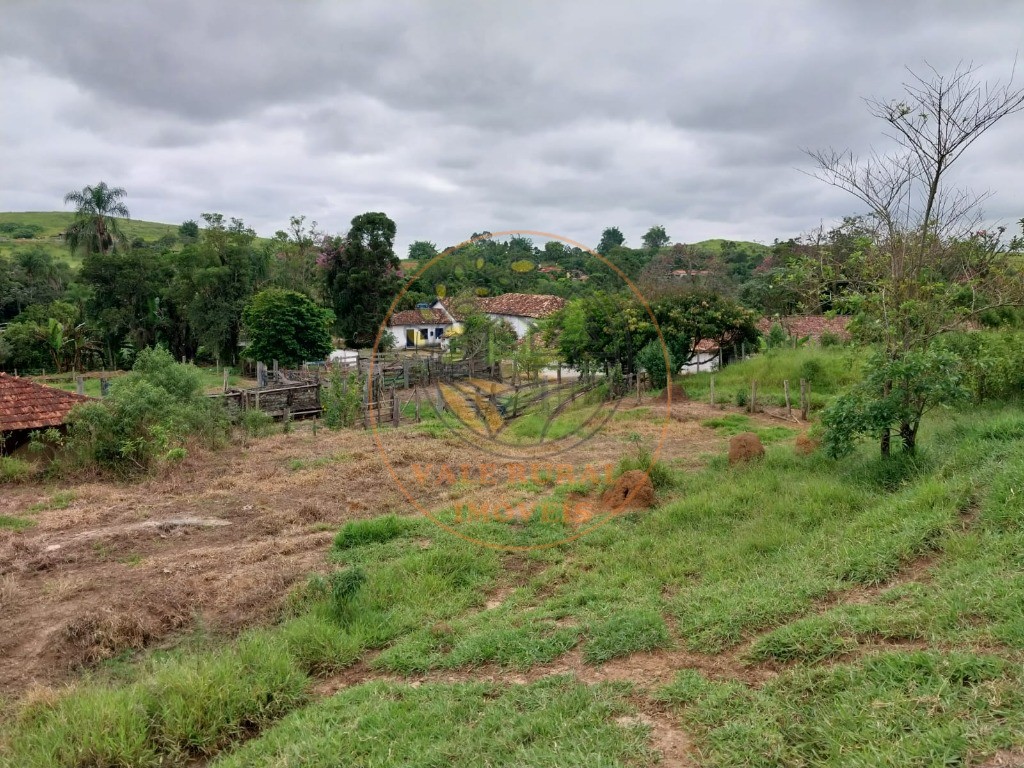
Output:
[[927, 268], [216, 277], [361, 277], [656, 237], [422, 251], [611, 237], [286, 326], [96, 227]]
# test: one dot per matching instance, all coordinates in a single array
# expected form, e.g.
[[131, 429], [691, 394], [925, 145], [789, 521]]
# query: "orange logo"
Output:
[[532, 460]]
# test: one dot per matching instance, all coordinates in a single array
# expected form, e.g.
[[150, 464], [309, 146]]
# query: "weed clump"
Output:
[[374, 531]]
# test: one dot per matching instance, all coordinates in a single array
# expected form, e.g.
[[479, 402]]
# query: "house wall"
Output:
[[519, 324], [702, 361], [432, 338]]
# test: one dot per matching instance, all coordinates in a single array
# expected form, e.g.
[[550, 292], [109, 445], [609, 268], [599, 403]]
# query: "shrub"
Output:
[[829, 339], [776, 336], [813, 371], [14, 470], [149, 412], [652, 359], [341, 398], [256, 423]]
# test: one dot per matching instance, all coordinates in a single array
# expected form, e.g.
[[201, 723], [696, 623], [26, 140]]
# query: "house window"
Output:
[[438, 333]]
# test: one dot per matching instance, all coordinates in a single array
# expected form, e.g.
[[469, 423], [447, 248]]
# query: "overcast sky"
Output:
[[455, 117]]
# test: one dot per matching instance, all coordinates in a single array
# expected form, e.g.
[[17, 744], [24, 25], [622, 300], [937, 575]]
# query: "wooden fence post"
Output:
[[417, 396], [225, 379], [405, 371], [104, 386], [753, 395], [789, 407], [396, 409], [803, 399], [712, 390], [80, 385]]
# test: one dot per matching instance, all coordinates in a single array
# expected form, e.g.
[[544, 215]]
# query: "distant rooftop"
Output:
[[27, 405]]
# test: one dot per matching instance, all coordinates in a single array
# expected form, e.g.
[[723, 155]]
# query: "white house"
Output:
[[432, 326], [520, 310], [425, 327]]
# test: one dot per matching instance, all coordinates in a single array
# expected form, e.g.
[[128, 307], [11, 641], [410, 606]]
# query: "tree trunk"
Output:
[[886, 436], [908, 433]]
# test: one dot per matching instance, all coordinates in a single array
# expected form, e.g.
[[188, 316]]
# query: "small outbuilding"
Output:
[[26, 406]]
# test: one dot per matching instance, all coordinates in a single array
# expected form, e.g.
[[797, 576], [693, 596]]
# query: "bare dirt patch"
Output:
[[223, 536]]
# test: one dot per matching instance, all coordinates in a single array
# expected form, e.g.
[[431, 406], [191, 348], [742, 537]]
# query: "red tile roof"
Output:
[[521, 304], [420, 317], [808, 325], [27, 405]]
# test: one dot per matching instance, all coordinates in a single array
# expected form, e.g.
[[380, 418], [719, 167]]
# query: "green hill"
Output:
[[43, 230], [716, 246]]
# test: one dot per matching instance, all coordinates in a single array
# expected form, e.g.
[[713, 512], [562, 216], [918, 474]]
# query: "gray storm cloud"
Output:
[[456, 117]]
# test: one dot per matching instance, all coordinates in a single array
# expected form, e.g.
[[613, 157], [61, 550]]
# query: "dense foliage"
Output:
[[154, 410], [362, 277], [287, 326]]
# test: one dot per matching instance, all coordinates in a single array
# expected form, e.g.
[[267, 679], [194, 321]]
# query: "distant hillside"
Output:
[[714, 246], [45, 228]]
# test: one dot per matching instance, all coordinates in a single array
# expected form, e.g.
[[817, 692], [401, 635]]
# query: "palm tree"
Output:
[[97, 209]]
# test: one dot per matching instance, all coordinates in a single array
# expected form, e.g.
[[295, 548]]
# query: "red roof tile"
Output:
[[420, 317], [27, 405], [808, 325], [521, 304]]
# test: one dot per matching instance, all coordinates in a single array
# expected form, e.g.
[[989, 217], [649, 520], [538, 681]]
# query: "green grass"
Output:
[[15, 523], [213, 381], [829, 371], [626, 633], [893, 709], [53, 223], [768, 553], [61, 500], [298, 465], [14, 470], [182, 705], [735, 423], [551, 723], [360, 532]]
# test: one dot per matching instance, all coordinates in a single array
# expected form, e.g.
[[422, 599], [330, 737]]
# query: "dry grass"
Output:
[[101, 576]]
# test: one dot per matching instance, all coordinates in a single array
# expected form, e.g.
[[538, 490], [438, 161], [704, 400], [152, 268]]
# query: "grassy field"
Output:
[[829, 371], [797, 611]]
